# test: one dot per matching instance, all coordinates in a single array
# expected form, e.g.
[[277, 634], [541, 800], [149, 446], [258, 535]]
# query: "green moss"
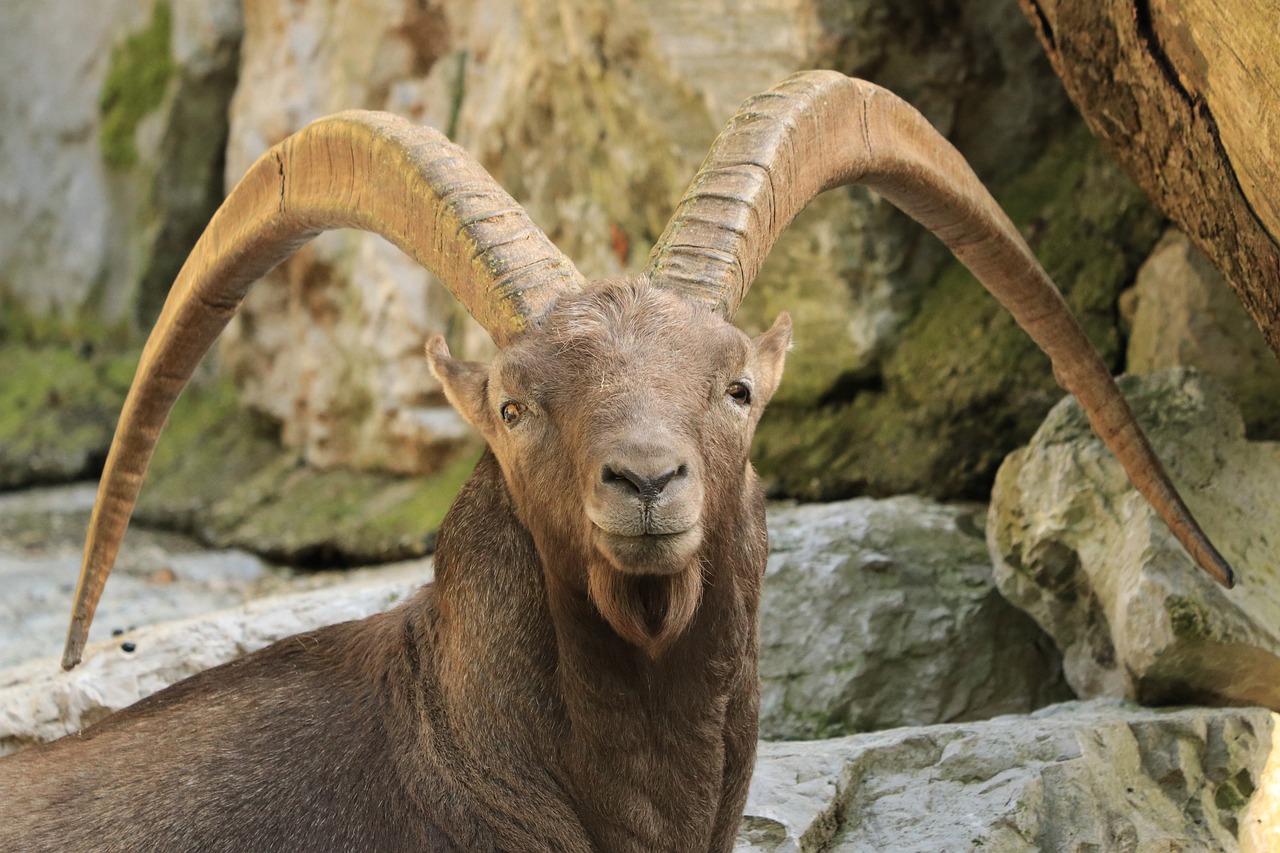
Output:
[[1234, 794], [58, 407], [220, 474], [81, 326], [965, 385], [136, 81], [1188, 618]]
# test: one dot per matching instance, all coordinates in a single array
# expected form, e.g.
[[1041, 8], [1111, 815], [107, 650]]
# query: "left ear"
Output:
[[466, 383], [771, 353]]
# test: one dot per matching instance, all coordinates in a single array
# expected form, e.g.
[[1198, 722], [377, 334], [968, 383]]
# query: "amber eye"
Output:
[[740, 392], [511, 413]]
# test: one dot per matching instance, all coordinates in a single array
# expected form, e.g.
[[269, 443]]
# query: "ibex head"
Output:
[[622, 420], [620, 412]]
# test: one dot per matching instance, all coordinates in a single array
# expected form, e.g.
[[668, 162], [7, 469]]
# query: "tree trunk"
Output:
[[1185, 93]]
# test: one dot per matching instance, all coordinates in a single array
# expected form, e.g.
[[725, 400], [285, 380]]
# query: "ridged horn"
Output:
[[371, 171], [818, 130]]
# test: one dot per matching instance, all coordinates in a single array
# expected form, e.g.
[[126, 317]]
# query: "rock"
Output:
[[878, 614], [1182, 312], [115, 118], [159, 577], [1080, 776], [1080, 551], [58, 409], [40, 702], [220, 475], [154, 625]]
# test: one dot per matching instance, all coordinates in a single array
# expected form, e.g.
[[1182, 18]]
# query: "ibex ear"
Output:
[[771, 353], [466, 383]]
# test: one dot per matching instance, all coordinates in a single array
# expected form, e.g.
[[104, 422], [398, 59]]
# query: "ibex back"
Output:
[[583, 673]]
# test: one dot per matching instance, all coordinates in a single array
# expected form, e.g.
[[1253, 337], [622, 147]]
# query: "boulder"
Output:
[[1181, 312], [1079, 550], [878, 614], [1096, 775]]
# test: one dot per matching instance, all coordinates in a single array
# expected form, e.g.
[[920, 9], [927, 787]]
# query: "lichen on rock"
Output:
[[58, 407]]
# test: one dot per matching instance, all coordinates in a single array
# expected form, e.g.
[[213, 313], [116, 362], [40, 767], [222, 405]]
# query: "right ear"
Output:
[[465, 383]]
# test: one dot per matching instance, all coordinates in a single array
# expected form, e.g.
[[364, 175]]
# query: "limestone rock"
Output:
[[58, 409], [170, 610], [1080, 551], [220, 475], [113, 118], [111, 113], [878, 614], [159, 576], [40, 702], [1182, 312], [1080, 776]]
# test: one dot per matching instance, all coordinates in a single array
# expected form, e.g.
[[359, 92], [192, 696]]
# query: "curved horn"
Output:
[[819, 130], [371, 171]]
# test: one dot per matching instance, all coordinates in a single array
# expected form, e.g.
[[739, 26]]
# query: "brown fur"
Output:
[[548, 692]]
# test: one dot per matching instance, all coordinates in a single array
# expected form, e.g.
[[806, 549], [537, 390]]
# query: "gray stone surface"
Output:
[[878, 614], [1080, 551], [1096, 776], [159, 577], [153, 626], [40, 702]]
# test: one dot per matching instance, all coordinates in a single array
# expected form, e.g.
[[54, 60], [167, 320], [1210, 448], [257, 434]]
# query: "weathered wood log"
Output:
[[1186, 93]]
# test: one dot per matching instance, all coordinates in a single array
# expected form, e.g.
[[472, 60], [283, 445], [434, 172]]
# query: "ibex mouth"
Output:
[[650, 553]]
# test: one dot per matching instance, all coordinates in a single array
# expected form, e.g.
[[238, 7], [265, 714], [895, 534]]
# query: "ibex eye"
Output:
[[511, 413], [740, 392]]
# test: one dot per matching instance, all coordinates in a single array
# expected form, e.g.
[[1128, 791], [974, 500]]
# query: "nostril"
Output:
[[621, 476], [631, 480], [658, 483]]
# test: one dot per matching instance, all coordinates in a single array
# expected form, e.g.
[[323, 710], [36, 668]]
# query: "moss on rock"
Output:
[[966, 385], [220, 474], [136, 81], [58, 408]]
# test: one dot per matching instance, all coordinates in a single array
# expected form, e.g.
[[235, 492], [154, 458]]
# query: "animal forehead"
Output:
[[629, 326]]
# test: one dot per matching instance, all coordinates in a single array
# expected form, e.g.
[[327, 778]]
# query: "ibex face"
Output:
[[622, 421]]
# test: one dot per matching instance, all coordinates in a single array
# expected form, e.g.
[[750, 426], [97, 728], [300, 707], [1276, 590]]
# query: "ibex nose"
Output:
[[647, 484]]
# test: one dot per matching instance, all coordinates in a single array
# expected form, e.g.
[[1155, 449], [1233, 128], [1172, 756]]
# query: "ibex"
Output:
[[582, 675]]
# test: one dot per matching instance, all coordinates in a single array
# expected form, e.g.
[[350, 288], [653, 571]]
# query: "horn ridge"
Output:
[[366, 170]]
